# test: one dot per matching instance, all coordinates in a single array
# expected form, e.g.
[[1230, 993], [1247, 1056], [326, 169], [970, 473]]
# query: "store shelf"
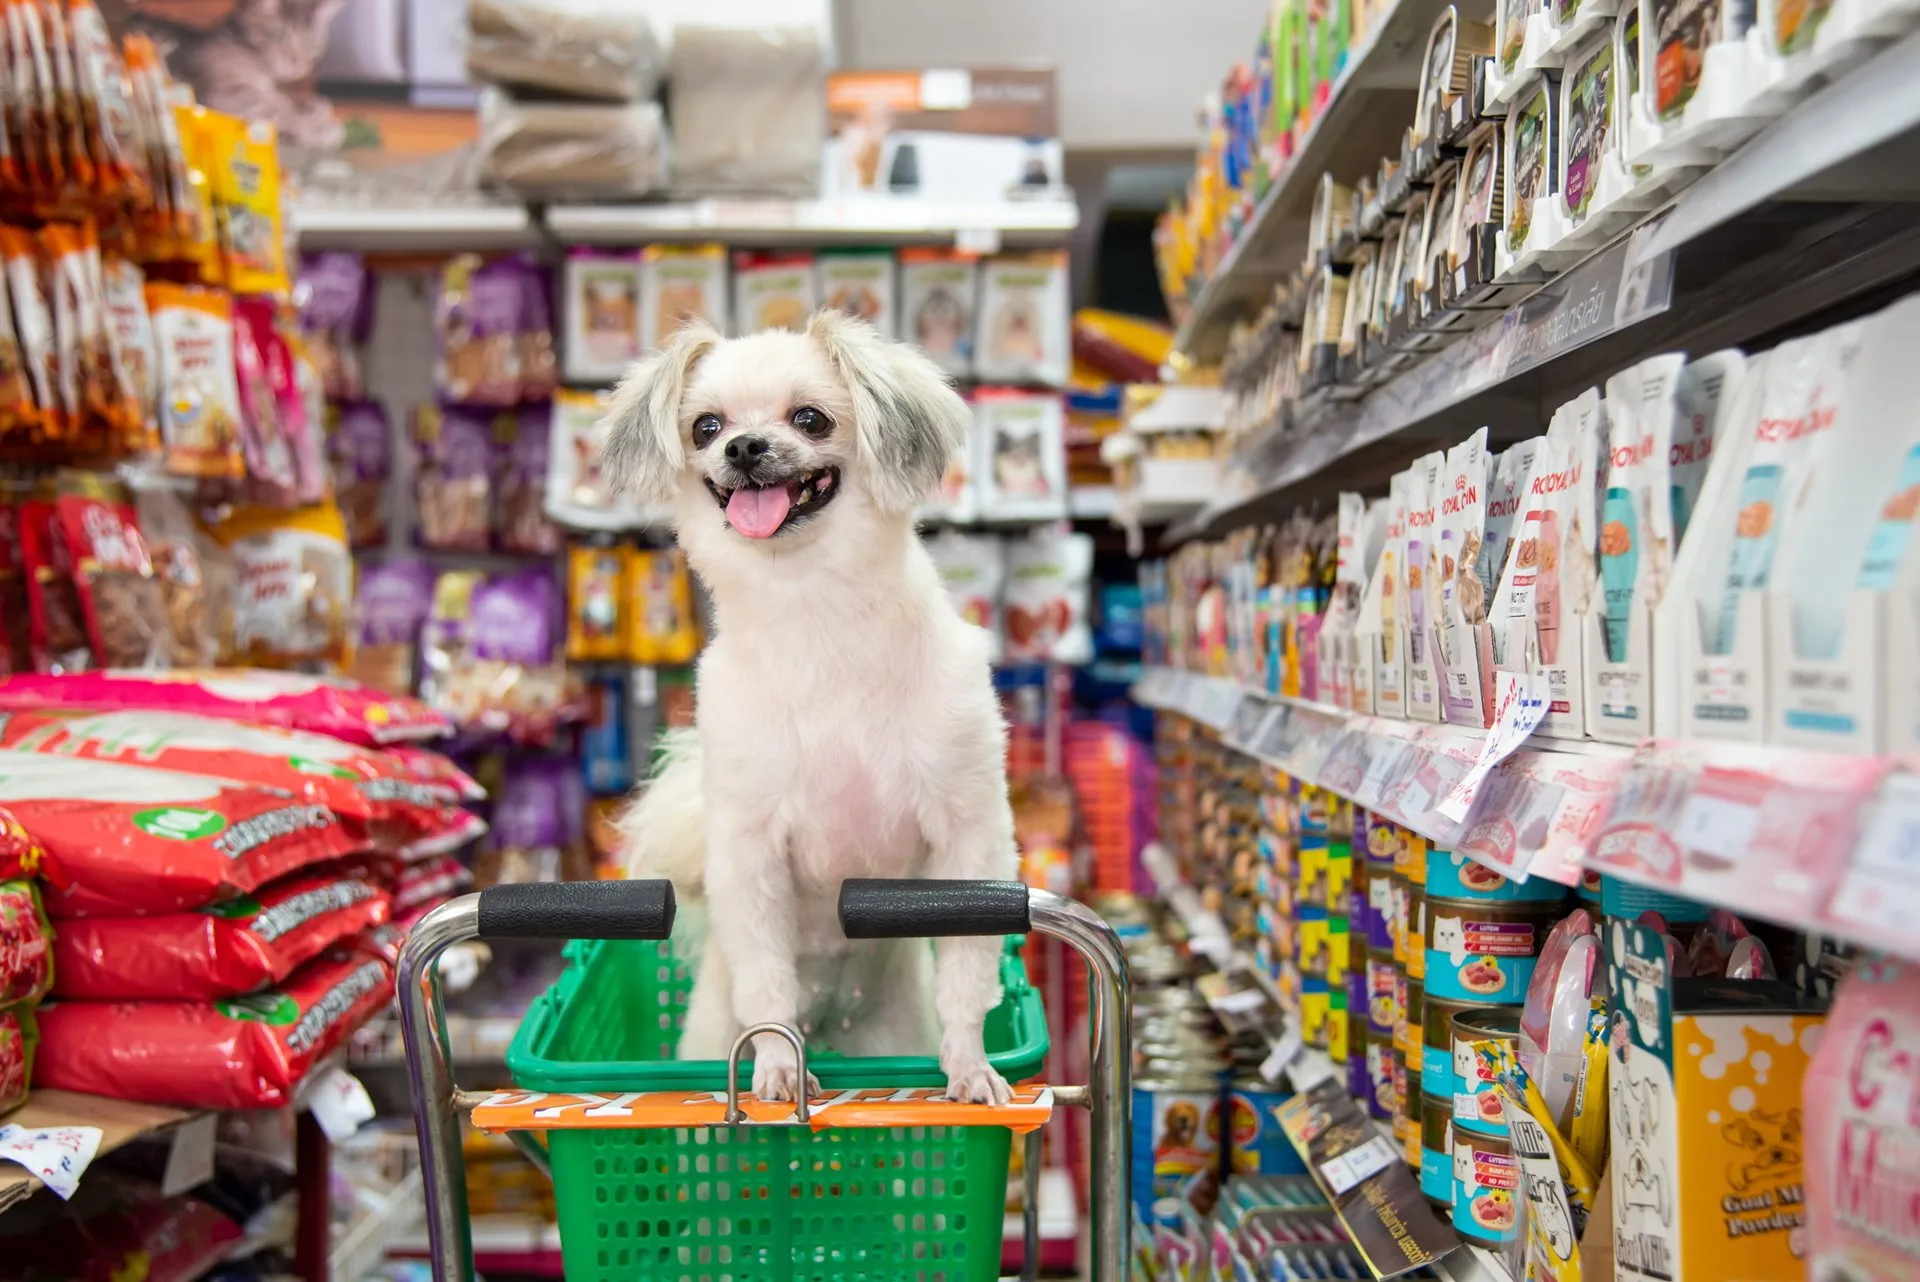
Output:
[[1059, 1226], [1369, 108], [981, 225], [442, 229], [520, 1245], [1816, 841], [367, 1243], [120, 1123]]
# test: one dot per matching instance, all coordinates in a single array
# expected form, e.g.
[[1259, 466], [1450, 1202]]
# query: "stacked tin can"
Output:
[[1480, 937]]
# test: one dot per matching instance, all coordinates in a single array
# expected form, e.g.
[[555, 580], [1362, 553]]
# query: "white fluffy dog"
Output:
[[847, 720]]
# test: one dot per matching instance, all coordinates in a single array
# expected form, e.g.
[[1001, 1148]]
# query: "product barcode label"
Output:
[[1348, 1169]]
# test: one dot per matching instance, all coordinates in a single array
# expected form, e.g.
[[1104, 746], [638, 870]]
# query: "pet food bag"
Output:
[[122, 603], [938, 293], [772, 291], [658, 595], [860, 282], [494, 320], [680, 284], [221, 950], [295, 583], [391, 608], [195, 576], [360, 448], [26, 947], [134, 839], [19, 1037], [523, 524], [1021, 461], [1023, 329], [1046, 599], [232, 1052], [425, 766], [428, 881], [453, 476], [598, 602], [319, 705], [538, 830], [334, 295], [198, 392], [973, 571]]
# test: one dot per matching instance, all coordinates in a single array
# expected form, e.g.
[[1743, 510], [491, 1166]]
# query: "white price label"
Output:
[[1354, 1165], [59, 1155], [340, 1104], [1881, 889], [1520, 703], [1722, 826], [1241, 1001], [977, 240], [1286, 1049]]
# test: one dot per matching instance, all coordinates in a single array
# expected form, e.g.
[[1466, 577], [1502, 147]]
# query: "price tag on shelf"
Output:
[[340, 1104], [1286, 1049], [1718, 824], [977, 240], [1520, 704], [1881, 888], [59, 1155], [1356, 1164], [189, 1155]]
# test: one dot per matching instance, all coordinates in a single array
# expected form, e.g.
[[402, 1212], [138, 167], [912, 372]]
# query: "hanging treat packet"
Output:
[[1046, 598], [973, 570], [246, 194], [26, 945], [860, 282], [122, 602], [478, 318], [772, 291], [523, 464], [658, 594], [295, 584], [597, 602], [199, 394], [679, 284], [1022, 332], [17, 408], [265, 435], [579, 493], [334, 295], [453, 476], [130, 330], [360, 446], [938, 289], [33, 324], [56, 624], [601, 289], [137, 839], [221, 950], [195, 582], [230, 1053], [391, 608]]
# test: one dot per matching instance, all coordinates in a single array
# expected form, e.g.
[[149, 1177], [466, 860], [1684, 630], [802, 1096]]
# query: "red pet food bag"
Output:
[[234, 1052], [26, 945], [318, 705], [19, 1035], [220, 950], [136, 840]]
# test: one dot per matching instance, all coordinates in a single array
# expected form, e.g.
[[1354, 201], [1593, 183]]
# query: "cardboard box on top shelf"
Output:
[[942, 134]]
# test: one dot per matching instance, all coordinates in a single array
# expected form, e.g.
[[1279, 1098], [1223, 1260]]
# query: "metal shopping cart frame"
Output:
[[869, 909]]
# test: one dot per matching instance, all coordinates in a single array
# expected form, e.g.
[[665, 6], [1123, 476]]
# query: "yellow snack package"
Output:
[[659, 601], [597, 602], [196, 237], [1590, 1132], [246, 201], [294, 583]]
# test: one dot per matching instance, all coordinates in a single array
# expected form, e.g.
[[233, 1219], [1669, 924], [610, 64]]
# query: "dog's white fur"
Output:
[[847, 725]]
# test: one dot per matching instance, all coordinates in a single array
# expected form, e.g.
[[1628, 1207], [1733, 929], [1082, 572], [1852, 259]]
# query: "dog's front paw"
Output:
[[973, 1081], [774, 1077]]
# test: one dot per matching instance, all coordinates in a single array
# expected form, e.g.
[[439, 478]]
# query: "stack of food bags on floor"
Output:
[[220, 855]]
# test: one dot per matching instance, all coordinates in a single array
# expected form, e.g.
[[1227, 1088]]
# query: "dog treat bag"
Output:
[[478, 318], [26, 945], [536, 826], [137, 839], [360, 446], [973, 570], [860, 282], [1022, 329], [453, 478], [772, 291], [122, 603], [233, 1052], [578, 493], [199, 394], [1046, 598], [523, 463], [938, 289], [660, 623], [391, 608], [1020, 439], [295, 583], [196, 578], [130, 328], [681, 283], [597, 601], [335, 297], [601, 292], [221, 950]]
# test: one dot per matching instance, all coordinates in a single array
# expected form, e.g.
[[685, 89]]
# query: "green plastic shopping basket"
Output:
[[753, 1202]]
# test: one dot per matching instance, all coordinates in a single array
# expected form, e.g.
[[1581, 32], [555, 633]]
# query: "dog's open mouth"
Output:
[[762, 511]]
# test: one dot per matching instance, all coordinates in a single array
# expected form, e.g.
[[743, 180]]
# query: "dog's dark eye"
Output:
[[705, 428], [811, 421]]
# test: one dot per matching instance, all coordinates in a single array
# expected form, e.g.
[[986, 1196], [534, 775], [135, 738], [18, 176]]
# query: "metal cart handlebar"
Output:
[[870, 908]]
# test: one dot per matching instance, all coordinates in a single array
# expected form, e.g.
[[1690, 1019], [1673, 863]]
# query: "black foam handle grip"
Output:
[[913, 908], [578, 910]]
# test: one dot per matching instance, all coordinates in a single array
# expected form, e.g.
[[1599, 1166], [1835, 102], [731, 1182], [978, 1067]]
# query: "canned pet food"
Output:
[[1483, 952], [1410, 1143], [1589, 887], [1486, 1189], [1627, 901], [1400, 1113], [1400, 1011], [1255, 1143], [1379, 1094], [1381, 973], [1477, 1106], [1416, 932], [1176, 1136], [1454, 876], [1412, 1011], [1436, 1050], [1359, 1081], [1436, 1149], [1398, 891]]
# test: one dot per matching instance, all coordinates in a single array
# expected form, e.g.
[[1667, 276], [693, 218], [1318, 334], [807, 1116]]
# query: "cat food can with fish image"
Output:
[[1407, 1029], [1436, 1149], [1454, 876], [1477, 1106], [1416, 930], [1436, 1044], [1483, 952], [1381, 977], [1176, 1141], [1486, 1189], [1379, 1075]]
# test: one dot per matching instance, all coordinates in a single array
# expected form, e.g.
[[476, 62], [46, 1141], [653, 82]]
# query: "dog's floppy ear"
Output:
[[908, 417], [644, 453]]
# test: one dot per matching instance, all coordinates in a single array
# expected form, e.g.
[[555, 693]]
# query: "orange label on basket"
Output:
[[1029, 1109]]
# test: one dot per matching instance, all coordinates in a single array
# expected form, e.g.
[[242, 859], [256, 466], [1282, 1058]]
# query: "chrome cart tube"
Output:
[[430, 1074], [1109, 1076]]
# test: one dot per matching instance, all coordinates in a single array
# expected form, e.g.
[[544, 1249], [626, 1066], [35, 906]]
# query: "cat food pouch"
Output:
[[453, 476], [1046, 598], [972, 570], [130, 333], [319, 705], [1700, 399], [596, 594], [1505, 494], [478, 318], [1422, 587], [1805, 378], [1636, 529], [34, 323], [246, 193], [334, 295], [389, 611], [860, 283], [233, 1052], [772, 291], [661, 628], [1021, 472], [939, 289], [360, 446], [121, 600], [524, 525], [1021, 330], [221, 950], [681, 283], [601, 293], [199, 393], [295, 583], [1460, 516]]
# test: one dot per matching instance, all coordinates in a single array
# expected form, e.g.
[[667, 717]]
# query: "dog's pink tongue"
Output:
[[758, 513]]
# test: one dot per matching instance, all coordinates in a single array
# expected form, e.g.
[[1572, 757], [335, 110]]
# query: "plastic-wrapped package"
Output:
[[573, 149], [598, 49], [749, 110]]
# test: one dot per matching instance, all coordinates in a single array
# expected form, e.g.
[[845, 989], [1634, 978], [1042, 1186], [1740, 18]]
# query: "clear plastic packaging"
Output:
[[581, 48], [749, 110], [572, 149]]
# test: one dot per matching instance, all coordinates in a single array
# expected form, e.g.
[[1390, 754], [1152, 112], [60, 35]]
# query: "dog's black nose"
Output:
[[745, 452]]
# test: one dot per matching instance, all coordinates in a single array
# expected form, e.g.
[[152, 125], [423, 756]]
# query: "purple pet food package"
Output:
[[478, 318], [453, 476], [334, 295], [515, 618], [389, 611], [524, 525], [360, 450]]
